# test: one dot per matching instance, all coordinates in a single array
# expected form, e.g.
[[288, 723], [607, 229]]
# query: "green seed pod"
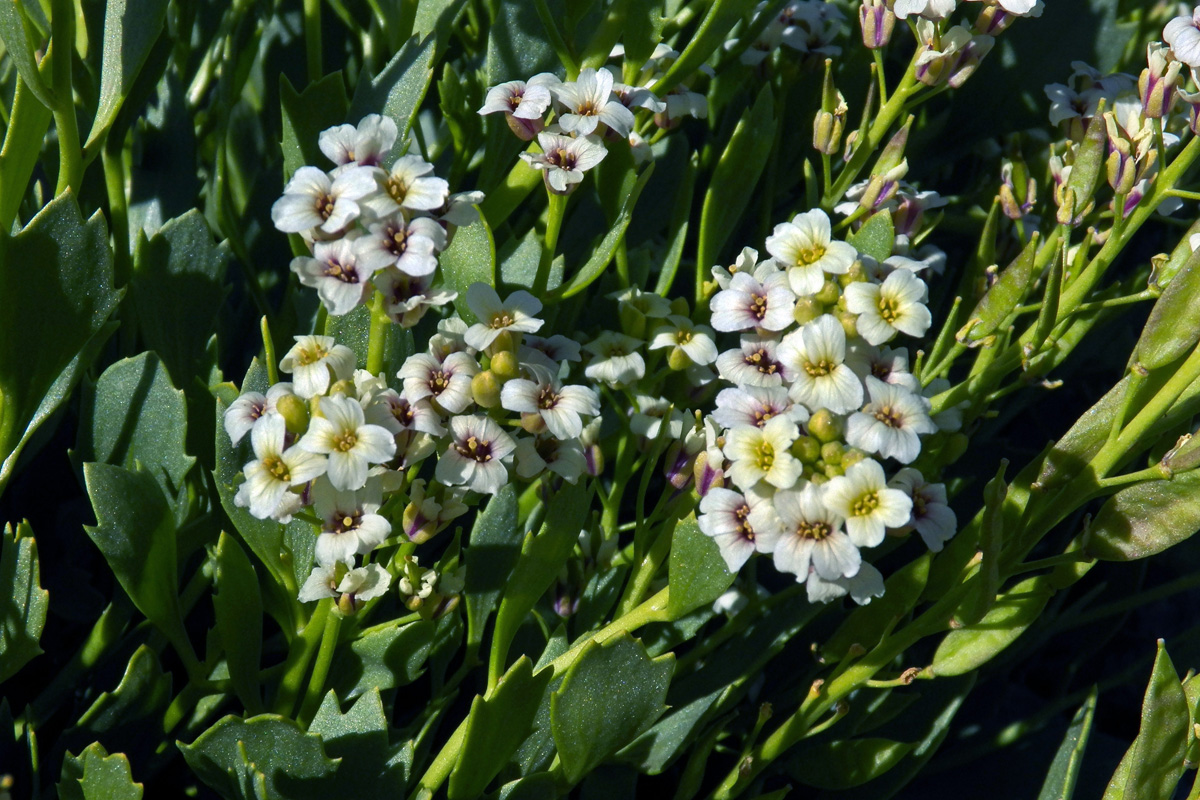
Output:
[[294, 412], [987, 580], [1174, 325], [1087, 168], [825, 426], [1168, 269], [1005, 295]]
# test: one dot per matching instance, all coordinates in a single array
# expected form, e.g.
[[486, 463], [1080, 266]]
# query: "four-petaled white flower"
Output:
[[408, 245], [891, 423], [362, 584], [932, 516], [866, 584], [367, 145], [447, 381], [589, 102], [245, 412], [312, 200], [896, 305], [738, 523], [559, 407], [311, 361], [1183, 35], [274, 470], [565, 159], [696, 341], [524, 100], [756, 405], [341, 279], [816, 356], [762, 300], [350, 524], [518, 313], [616, 361], [805, 247], [811, 534], [863, 499], [478, 455], [409, 185], [755, 363], [564, 458], [352, 445], [763, 454]]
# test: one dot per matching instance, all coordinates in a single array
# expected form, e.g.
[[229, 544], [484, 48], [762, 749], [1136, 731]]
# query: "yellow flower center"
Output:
[[865, 505], [277, 468], [816, 531], [890, 417], [819, 369], [476, 450], [807, 256], [345, 442], [765, 454]]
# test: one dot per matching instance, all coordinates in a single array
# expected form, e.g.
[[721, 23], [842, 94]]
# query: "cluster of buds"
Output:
[[375, 221]]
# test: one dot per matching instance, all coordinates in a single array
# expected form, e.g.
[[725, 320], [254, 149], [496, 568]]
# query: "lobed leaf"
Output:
[[23, 602], [370, 765], [95, 775]]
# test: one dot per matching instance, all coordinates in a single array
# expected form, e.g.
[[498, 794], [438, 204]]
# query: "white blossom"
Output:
[[312, 200], [274, 470], [350, 523], [616, 360], [1183, 35], [816, 356], [478, 455], [862, 498], [737, 523], [694, 340], [763, 454], [866, 584], [756, 405], [352, 445], [588, 101], [244, 412], [929, 9], [522, 100], [762, 300], [518, 313], [536, 455], [410, 246], [565, 159], [931, 516], [407, 297], [651, 412], [559, 407], [366, 144], [409, 185], [747, 262], [316, 361], [891, 423], [334, 270], [896, 305], [805, 247], [755, 363], [811, 534], [447, 381]]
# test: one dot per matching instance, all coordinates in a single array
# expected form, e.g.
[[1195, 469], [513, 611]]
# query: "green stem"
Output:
[[561, 49], [554, 219], [299, 655], [312, 38], [316, 684], [378, 335], [645, 571], [114, 181], [70, 156], [877, 54], [264, 328], [22, 144]]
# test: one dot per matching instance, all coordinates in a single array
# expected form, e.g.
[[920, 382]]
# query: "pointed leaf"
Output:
[[876, 237], [494, 548], [23, 602], [384, 658], [1068, 761], [19, 50], [966, 649], [470, 258], [370, 766], [321, 105], [1146, 518], [144, 691], [517, 45], [130, 29], [698, 574], [398, 90], [238, 606]]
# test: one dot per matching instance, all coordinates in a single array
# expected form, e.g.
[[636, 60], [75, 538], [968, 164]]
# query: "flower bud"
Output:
[[849, 323], [968, 60], [851, 457], [877, 22], [706, 475], [505, 342], [1158, 82], [992, 21], [825, 426], [532, 422], [807, 309], [525, 129], [806, 450], [344, 388], [505, 366], [827, 132], [829, 293], [346, 605], [831, 453], [678, 359], [294, 412], [485, 389]]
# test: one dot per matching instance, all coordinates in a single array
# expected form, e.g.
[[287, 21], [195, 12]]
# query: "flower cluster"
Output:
[[819, 404], [376, 220], [806, 26], [572, 120]]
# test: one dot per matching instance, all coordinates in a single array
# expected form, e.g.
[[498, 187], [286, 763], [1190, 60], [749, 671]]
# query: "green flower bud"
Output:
[[806, 449], [825, 426], [532, 423], [345, 388], [849, 323], [831, 453], [504, 343], [807, 309], [852, 456], [834, 470], [485, 389], [505, 366], [680, 306], [829, 293], [294, 412], [678, 360]]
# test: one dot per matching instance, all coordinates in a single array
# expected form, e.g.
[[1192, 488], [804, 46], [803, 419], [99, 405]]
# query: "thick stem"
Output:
[[299, 655], [554, 219], [378, 335], [316, 684], [312, 38]]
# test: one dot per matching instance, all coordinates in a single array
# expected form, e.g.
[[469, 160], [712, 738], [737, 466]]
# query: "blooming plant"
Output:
[[478, 399]]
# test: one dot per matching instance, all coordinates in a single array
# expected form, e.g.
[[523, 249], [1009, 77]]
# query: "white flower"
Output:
[[746, 261], [556, 348], [398, 413], [862, 498], [816, 355], [311, 361], [244, 412], [737, 523], [805, 247], [350, 524], [891, 423], [650, 415], [450, 338], [811, 534], [895, 305], [522, 100], [755, 363], [517, 313], [478, 455], [589, 102], [867, 583], [650, 305], [1183, 35], [564, 458], [341, 280], [694, 340], [763, 454], [447, 381], [756, 405], [616, 361], [408, 185], [274, 469], [565, 159], [351, 444], [762, 300], [409, 245], [312, 199], [929, 9], [932, 516], [558, 406], [362, 584], [366, 145], [461, 209], [407, 297], [888, 364]]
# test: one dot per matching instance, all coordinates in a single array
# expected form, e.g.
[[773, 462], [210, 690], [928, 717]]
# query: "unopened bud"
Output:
[[294, 412], [829, 293], [678, 359], [806, 449], [485, 389], [825, 426], [831, 453], [807, 309], [532, 422], [679, 305], [525, 129], [877, 22], [505, 366], [827, 132]]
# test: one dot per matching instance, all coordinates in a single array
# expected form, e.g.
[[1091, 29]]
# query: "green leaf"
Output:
[[177, 288], [469, 258], [268, 752], [517, 45], [383, 659], [603, 253], [538, 786], [657, 748], [16, 43], [142, 693], [1146, 518], [846, 764], [735, 177], [370, 767], [966, 649], [1153, 764], [321, 105], [436, 17], [51, 327], [135, 532], [495, 545], [876, 236], [542, 556], [698, 574], [609, 696], [398, 90], [130, 30], [23, 602], [713, 30], [496, 727], [867, 624], [95, 775], [238, 606], [1068, 761], [354, 331], [134, 417]]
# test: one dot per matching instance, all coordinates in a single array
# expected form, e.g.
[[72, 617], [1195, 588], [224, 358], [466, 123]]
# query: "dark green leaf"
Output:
[[1068, 761], [382, 659], [134, 416], [95, 775], [610, 695], [967, 648], [143, 692], [876, 236], [654, 750], [538, 786], [518, 268], [496, 727], [470, 258], [698, 574], [136, 535], [267, 751], [1004, 295], [16, 44], [398, 90], [50, 328], [130, 30], [436, 16], [713, 30], [354, 331], [735, 177], [1153, 764], [370, 766], [1146, 518], [846, 764], [23, 602], [238, 606], [493, 551], [321, 105], [517, 44]]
